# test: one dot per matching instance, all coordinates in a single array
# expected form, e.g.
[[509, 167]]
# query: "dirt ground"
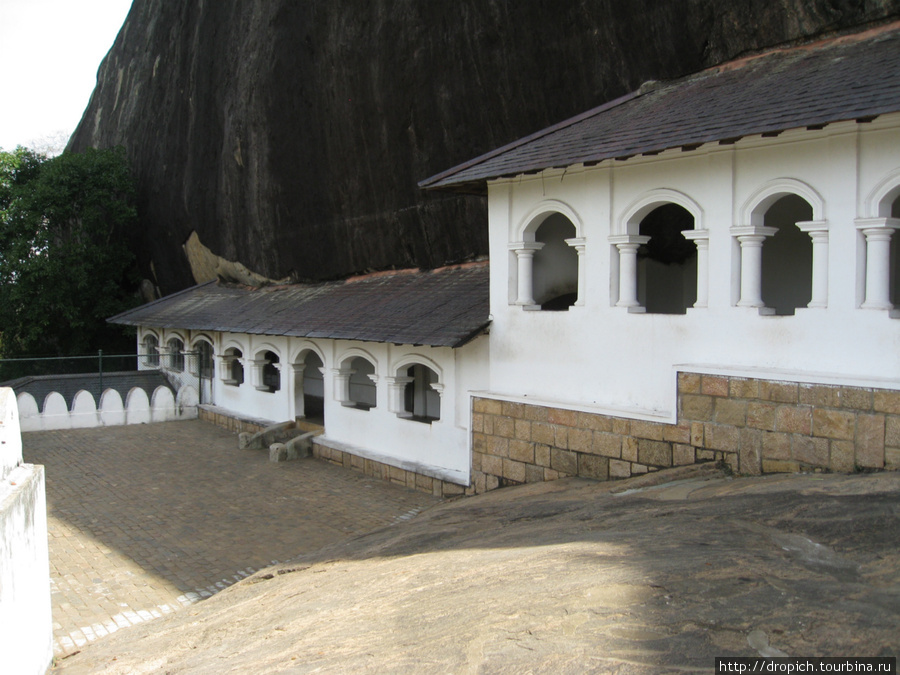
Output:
[[566, 577]]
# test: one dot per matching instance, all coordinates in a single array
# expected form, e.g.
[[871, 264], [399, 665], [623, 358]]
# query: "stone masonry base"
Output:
[[752, 425], [396, 475]]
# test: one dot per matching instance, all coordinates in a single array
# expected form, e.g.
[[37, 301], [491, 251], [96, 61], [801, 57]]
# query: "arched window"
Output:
[[175, 351], [270, 373], [204, 356], [421, 398], [667, 261], [357, 383], [787, 257], [309, 387], [233, 370], [361, 384], [150, 352], [555, 274]]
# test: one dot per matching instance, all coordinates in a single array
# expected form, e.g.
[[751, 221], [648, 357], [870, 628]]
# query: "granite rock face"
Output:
[[290, 136]]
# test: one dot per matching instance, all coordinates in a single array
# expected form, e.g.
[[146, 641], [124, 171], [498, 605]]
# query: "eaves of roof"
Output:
[[854, 77], [444, 307]]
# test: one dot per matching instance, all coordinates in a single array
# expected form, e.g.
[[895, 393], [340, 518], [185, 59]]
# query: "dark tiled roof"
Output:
[[442, 308], [852, 78]]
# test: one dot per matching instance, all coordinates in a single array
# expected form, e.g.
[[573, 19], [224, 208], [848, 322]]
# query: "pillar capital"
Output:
[[623, 241], [698, 236], [888, 224], [752, 231], [525, 247]]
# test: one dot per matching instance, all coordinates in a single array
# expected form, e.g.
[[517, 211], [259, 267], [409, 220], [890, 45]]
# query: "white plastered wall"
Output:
[[605, 357], [439, 448]]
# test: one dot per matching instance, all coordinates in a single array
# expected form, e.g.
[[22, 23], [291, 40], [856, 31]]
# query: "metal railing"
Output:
[[96, 372]]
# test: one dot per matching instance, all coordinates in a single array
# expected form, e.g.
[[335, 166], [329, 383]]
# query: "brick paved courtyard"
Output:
[[146, 520]]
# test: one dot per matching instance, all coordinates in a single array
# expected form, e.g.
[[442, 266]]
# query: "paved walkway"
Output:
[[145, 520]]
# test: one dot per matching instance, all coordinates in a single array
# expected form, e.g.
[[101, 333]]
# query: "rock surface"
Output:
[[290, 136], [563, 577]]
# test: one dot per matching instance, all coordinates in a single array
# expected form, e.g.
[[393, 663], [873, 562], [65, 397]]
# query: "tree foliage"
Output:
[[64, 263]]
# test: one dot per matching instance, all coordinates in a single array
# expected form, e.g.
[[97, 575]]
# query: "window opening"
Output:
[[204, 359], [175, 348], [313, 387], [151, 351], [555, 276], [420, 400], [787, 257], [234, 367], [667, 263], [271, 375], [361, 387]]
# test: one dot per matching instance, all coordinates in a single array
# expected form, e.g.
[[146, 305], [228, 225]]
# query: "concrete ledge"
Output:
[[227, 419], [424, 478]]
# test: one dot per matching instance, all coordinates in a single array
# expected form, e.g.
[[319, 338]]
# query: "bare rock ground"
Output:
[[565, 577]]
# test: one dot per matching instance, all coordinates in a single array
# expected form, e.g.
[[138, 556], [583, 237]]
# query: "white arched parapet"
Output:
[[753, 211], [411, 359], [234, 343], [880, 200], [84, 411], [112, 410], [187, 402], [356, 352], [168, 335], [302, 348], [148, 332], [267, 347], [29, 415], [200, 337], [532, 221], [137, 407], [630, 220], [55, 412], [162, 405]]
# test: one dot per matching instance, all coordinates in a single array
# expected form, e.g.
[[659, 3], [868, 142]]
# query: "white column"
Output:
[[296, 400], [225, 361], [701, 240], [628, 245], [751, 238], [257, 373], [578, 245], [396, 389], [878, 233], [342, 385], [525, 251], [818, 231]]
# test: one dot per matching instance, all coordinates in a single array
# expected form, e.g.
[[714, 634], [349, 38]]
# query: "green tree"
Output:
[[64, 263]]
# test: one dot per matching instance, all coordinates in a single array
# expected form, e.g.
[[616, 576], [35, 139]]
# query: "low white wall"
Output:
[[137, 408], [26, 628]]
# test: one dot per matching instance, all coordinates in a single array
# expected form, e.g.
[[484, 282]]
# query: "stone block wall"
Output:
[[382, 471], [753, 425], [237, 425]]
